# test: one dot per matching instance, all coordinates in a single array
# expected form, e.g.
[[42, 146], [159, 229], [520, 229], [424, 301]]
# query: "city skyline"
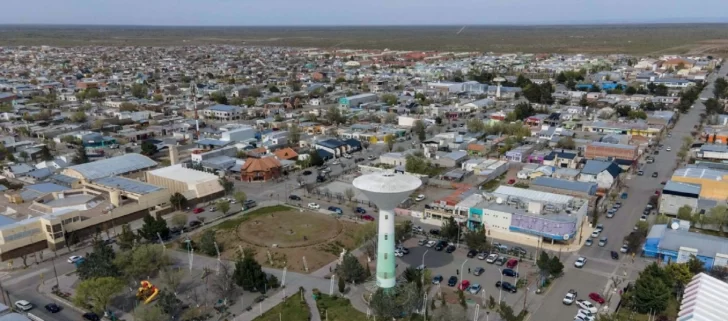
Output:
[[371, 13]]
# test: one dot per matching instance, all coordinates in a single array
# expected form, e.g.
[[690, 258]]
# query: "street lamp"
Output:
[[500, 288], [423, 268], [461, 270]]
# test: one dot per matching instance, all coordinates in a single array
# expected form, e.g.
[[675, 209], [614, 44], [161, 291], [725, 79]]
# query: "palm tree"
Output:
[[177, 200]]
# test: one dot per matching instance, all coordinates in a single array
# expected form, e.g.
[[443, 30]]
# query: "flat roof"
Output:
[[533, 195], [114, 166], [127, 185], [183, 174]]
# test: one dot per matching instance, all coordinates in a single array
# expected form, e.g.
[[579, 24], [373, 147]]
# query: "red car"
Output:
[[657, 193], [596, 297], [464, 285], [198, 210], [367, 217], [511, 181]]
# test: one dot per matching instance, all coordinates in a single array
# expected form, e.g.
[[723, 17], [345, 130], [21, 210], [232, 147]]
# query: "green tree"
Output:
[[127, 238], [96, 293], [151, 312], [81, 157], [523, 111], [143, 261], [418, 128], [390, 99], [207, 243], [342, 285], [126, 106], [333, 115], [250, 101], [157, 97], [219, 97], [583, 102], [45, 153], [223, 206], [679, 273], [630, 91], [450, 230], [544, 263], [556, 268], [227, 185], [351, 270], [475, 239], [695, 265], [24, 155], [240, 197], [99, 263], [475, 125], [139, 90], [149, 148], [178, 200], [315, 159], [561, 78], [274, 89], [685, 213], [248, 273], [78, 117], [719, 216], [179, 220], [650, 294], [566, 143], [153, 228], [294, 134]]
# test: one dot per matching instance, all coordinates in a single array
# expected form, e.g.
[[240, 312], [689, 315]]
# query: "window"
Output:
[[385, 237], [386, 217], [385, 256]]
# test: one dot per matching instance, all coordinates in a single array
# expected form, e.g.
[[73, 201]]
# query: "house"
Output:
[[520, 154], [286, 153], [223, 112], [561, 159], [604, 173], [334, 147]]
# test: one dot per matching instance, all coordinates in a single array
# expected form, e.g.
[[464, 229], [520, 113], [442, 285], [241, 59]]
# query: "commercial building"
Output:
[[125, 165], [713, 151], [529, 214], [598, 150], [261, 169], [223, 112], [584, 190], [194, 185], [713, 182], [678, 194], [674, 243], [357, 100], [102, 204]]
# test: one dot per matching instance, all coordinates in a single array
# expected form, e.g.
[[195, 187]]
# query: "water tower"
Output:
[[498, 80], [386, 190]]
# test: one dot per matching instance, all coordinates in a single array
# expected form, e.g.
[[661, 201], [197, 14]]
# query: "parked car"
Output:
[[420, 197], [588, 242], [417, 229], [23, 305], [519, 250], [194, 224], [306, 173], [198, 210], [482, 255], [597, 297], [74, 259], [452, 281], [600, 227], [367, 217], [464, 285], [569, 297], [501, 260], [430, 243], [614, 254], [314, 206], [90, 316], [422, 242], [510, 272], [437, 279], [624, 248], [472, 253], [294, 197], [506, 286], [491, 258], [336, 210], [603, 241], [595, 233], [403, 249], [640, 173], [511, 181], [478, 271], [586, 305], [435, 231], [512, 263], [475, 288], [52, 308], [450, 249], [654, 174], [440, 246], [360, 210]]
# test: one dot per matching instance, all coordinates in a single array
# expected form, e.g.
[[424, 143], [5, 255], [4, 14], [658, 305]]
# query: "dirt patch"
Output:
[[326, 236]]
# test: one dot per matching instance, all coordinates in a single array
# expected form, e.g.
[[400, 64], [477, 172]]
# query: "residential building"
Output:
[[223, 112], [604, 173], [599, 150]]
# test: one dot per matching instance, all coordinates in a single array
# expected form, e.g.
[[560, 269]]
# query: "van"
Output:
[[512, 263]]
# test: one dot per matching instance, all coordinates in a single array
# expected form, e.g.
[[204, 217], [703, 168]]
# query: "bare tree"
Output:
[[349, 193], [172, 278], [223, 283]]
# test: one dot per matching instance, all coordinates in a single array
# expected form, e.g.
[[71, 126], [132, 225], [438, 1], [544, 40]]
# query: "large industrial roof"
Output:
[[182, 174], [127, 185], [532, 195], [703, 173], [114, 166], [707, 245]]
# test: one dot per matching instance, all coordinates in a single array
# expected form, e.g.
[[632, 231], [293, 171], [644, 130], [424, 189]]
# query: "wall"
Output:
[[496, 220]]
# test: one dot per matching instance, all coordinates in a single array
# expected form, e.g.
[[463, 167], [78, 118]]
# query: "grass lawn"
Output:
[[233, 223], [626, 313], [292, 309], [339, 309]]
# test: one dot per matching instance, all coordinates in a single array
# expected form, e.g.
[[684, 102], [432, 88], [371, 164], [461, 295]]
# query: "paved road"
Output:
[[600, 269]]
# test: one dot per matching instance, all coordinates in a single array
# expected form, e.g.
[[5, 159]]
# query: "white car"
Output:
[[420, 197], [482, 255], [314, 206], [23, 305], [583, 316], [580, 262], [398, 253], [73, 259], [595, 233], [569, 298], [347, 156], [668, 148], [624, 248], [418, 229], [430, 243], [491, 258], [335, 162], [643, 218], [586, 305]]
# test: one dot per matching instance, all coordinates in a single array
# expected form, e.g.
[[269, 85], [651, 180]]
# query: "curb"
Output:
[[61, 300]]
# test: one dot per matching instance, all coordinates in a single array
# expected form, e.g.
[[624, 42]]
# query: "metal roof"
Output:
[[114, 166], [681, 187], [533, 195], [594, 167], [127, 185], [702, 173], [582, 187], [707, 245], [714, 148]]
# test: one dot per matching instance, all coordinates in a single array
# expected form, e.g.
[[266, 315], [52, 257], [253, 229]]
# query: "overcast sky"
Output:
[[358, 12]]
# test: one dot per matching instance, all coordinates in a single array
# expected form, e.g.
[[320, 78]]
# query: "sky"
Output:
[[359, 12]]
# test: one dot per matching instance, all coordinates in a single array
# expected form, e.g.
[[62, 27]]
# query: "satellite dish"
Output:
[[566, 237], [675, 225], [499, 200]]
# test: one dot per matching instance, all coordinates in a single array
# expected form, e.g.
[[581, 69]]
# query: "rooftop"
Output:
[[127, 185], [118, 165]]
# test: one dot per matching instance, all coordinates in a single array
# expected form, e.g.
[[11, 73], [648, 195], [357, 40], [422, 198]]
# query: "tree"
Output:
[[418, 127], [294, 134], [148, 148], [661, 90], [333, 115], [390, 118], [450, 230], [544, 263], [685, 213], [45, 153], [81, 157], [143, 261], [127, 238], [78, 117], [342, 285], [99, 263], [219, 98], [650, 294], [139, 90], [154, 228], [719, 216], [315, 159], [476, 239], [248, 273], [389, 140], [240, 197], [561, 78], [223, 284], [223, 206], [274, 89], [506, 313], [207, 243], [555, 266], [96, 293], [153, 312], [523, 111], [126, 106], [349, 194], [630, 91], [566, 143], [169, 304], [24, 155], [679, 273], [475, 125], [227, 185], [157, 97], [583, 102], [403, 231], [390, 99], [390, 304], [171, 278], [719, 272], [695, 265], [178, 200], [351, 269]]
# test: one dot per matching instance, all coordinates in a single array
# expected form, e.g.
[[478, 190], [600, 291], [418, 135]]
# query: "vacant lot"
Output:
[[283, 236], [601, 39]]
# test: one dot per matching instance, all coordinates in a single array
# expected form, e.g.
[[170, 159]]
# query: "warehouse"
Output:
[[127, 164], [356, 100], [192, 184]]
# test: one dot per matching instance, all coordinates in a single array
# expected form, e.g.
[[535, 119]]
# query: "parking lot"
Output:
[[458, 264]]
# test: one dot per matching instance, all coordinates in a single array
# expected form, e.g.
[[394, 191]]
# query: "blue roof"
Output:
[[213, 142], [4, 220], [595, 167], [324, 154], [127, 185], [114, 166], [47, 188], [353, 143], [582, 187], [330, 143], [225, 108], [563, 155]]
